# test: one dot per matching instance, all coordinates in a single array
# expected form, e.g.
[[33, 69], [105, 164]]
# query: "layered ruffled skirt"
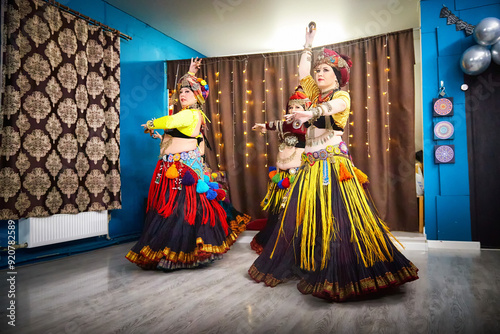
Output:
[[186, 224], [331, 236]]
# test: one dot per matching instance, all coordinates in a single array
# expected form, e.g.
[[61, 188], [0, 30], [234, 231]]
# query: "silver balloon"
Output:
[[487, 32], [475, 60], [495, 53]]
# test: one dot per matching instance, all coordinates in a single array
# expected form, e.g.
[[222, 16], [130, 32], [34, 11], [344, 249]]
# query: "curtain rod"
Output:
[[86, 18]]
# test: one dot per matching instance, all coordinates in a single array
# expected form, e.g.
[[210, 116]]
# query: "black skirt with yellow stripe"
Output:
[[331, 236]]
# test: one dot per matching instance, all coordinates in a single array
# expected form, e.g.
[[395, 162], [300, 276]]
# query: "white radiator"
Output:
[[59, 228]]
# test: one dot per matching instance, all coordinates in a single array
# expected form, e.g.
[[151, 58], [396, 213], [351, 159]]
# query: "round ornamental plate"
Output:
[[443, 106], [444, 154], [444, 130], [343, 147], [323, 154]]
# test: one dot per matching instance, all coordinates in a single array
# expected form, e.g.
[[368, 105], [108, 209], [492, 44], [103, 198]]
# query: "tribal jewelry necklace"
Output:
[[287, 159]]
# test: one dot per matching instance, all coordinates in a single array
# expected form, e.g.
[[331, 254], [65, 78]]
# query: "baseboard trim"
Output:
[[443, 244], [417, 242]]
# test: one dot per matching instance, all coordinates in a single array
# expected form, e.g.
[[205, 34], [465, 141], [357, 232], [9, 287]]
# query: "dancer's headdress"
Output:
[[341, 62]]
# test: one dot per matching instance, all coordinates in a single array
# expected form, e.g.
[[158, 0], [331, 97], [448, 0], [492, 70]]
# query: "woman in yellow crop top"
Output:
[[330, 235], [185, 224]]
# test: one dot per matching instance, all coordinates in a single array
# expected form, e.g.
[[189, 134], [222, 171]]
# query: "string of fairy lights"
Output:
[[281, 85], [264, 111], [218, 135], [234, 115], [385, 100], [368, 81], [245, 125], [386, 93], [248, 105]]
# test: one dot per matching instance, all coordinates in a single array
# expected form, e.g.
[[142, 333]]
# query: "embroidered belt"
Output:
[[327, 152], [182, 156]]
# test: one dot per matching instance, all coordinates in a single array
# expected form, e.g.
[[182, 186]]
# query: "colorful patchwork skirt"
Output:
[[273, 203], [185, 223], [331, 236]]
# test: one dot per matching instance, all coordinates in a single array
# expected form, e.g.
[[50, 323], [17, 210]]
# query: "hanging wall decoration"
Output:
[[443, 130], [453, 19], [444, 154], [442, 106]]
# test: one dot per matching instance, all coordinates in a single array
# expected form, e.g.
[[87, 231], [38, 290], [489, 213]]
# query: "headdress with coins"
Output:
[[341, 62], [197, 85], [298, 97]]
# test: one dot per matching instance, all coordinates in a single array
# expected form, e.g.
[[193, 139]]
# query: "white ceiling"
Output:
[[233, 27]]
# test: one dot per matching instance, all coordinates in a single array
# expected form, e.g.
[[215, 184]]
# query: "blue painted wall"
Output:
[[447, 199], [143, 96]]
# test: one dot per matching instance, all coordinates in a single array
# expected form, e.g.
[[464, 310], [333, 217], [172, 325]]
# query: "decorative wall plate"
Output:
[[443, 130], [443, 106], [444, 154]]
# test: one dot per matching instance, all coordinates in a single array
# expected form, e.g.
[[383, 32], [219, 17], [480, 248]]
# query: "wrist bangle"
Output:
[[315, 114], [190, 73], [150, 124]]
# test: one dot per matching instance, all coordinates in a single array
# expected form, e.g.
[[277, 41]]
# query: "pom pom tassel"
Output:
[[362, 178], [202, 187], [211, 194], [285, 183], [172, 172], [188, 179], [213, 185], [221, 194], [344, 174]]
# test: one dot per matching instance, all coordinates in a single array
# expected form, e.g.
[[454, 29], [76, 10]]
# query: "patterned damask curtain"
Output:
[[60, 134]]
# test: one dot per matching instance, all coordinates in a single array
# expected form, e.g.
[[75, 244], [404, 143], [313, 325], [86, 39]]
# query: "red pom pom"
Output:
[[285, 183], [221, 194]]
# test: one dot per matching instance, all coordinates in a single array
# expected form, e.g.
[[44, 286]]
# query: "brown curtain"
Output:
[[60, 134], [380, 133]]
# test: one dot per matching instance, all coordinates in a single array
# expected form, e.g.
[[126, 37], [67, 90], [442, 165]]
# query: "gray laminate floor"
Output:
[[101, 292]]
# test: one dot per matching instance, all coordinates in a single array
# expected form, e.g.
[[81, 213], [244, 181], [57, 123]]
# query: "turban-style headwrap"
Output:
[[341, 62]]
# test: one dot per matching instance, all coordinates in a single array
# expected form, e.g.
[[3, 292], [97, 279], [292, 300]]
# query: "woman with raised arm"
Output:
[[292, 142], [338, 245], [185, 225]]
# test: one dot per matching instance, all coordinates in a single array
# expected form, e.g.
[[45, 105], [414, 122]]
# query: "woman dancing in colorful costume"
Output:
[[292, 142], [185, 224], [330, 233]]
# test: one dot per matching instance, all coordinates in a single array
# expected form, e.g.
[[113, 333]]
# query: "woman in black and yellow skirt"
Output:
[[292, 142], [330, 234], [185, 224]]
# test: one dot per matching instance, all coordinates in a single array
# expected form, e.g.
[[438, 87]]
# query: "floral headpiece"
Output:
[[197, 85], [341, 62]]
